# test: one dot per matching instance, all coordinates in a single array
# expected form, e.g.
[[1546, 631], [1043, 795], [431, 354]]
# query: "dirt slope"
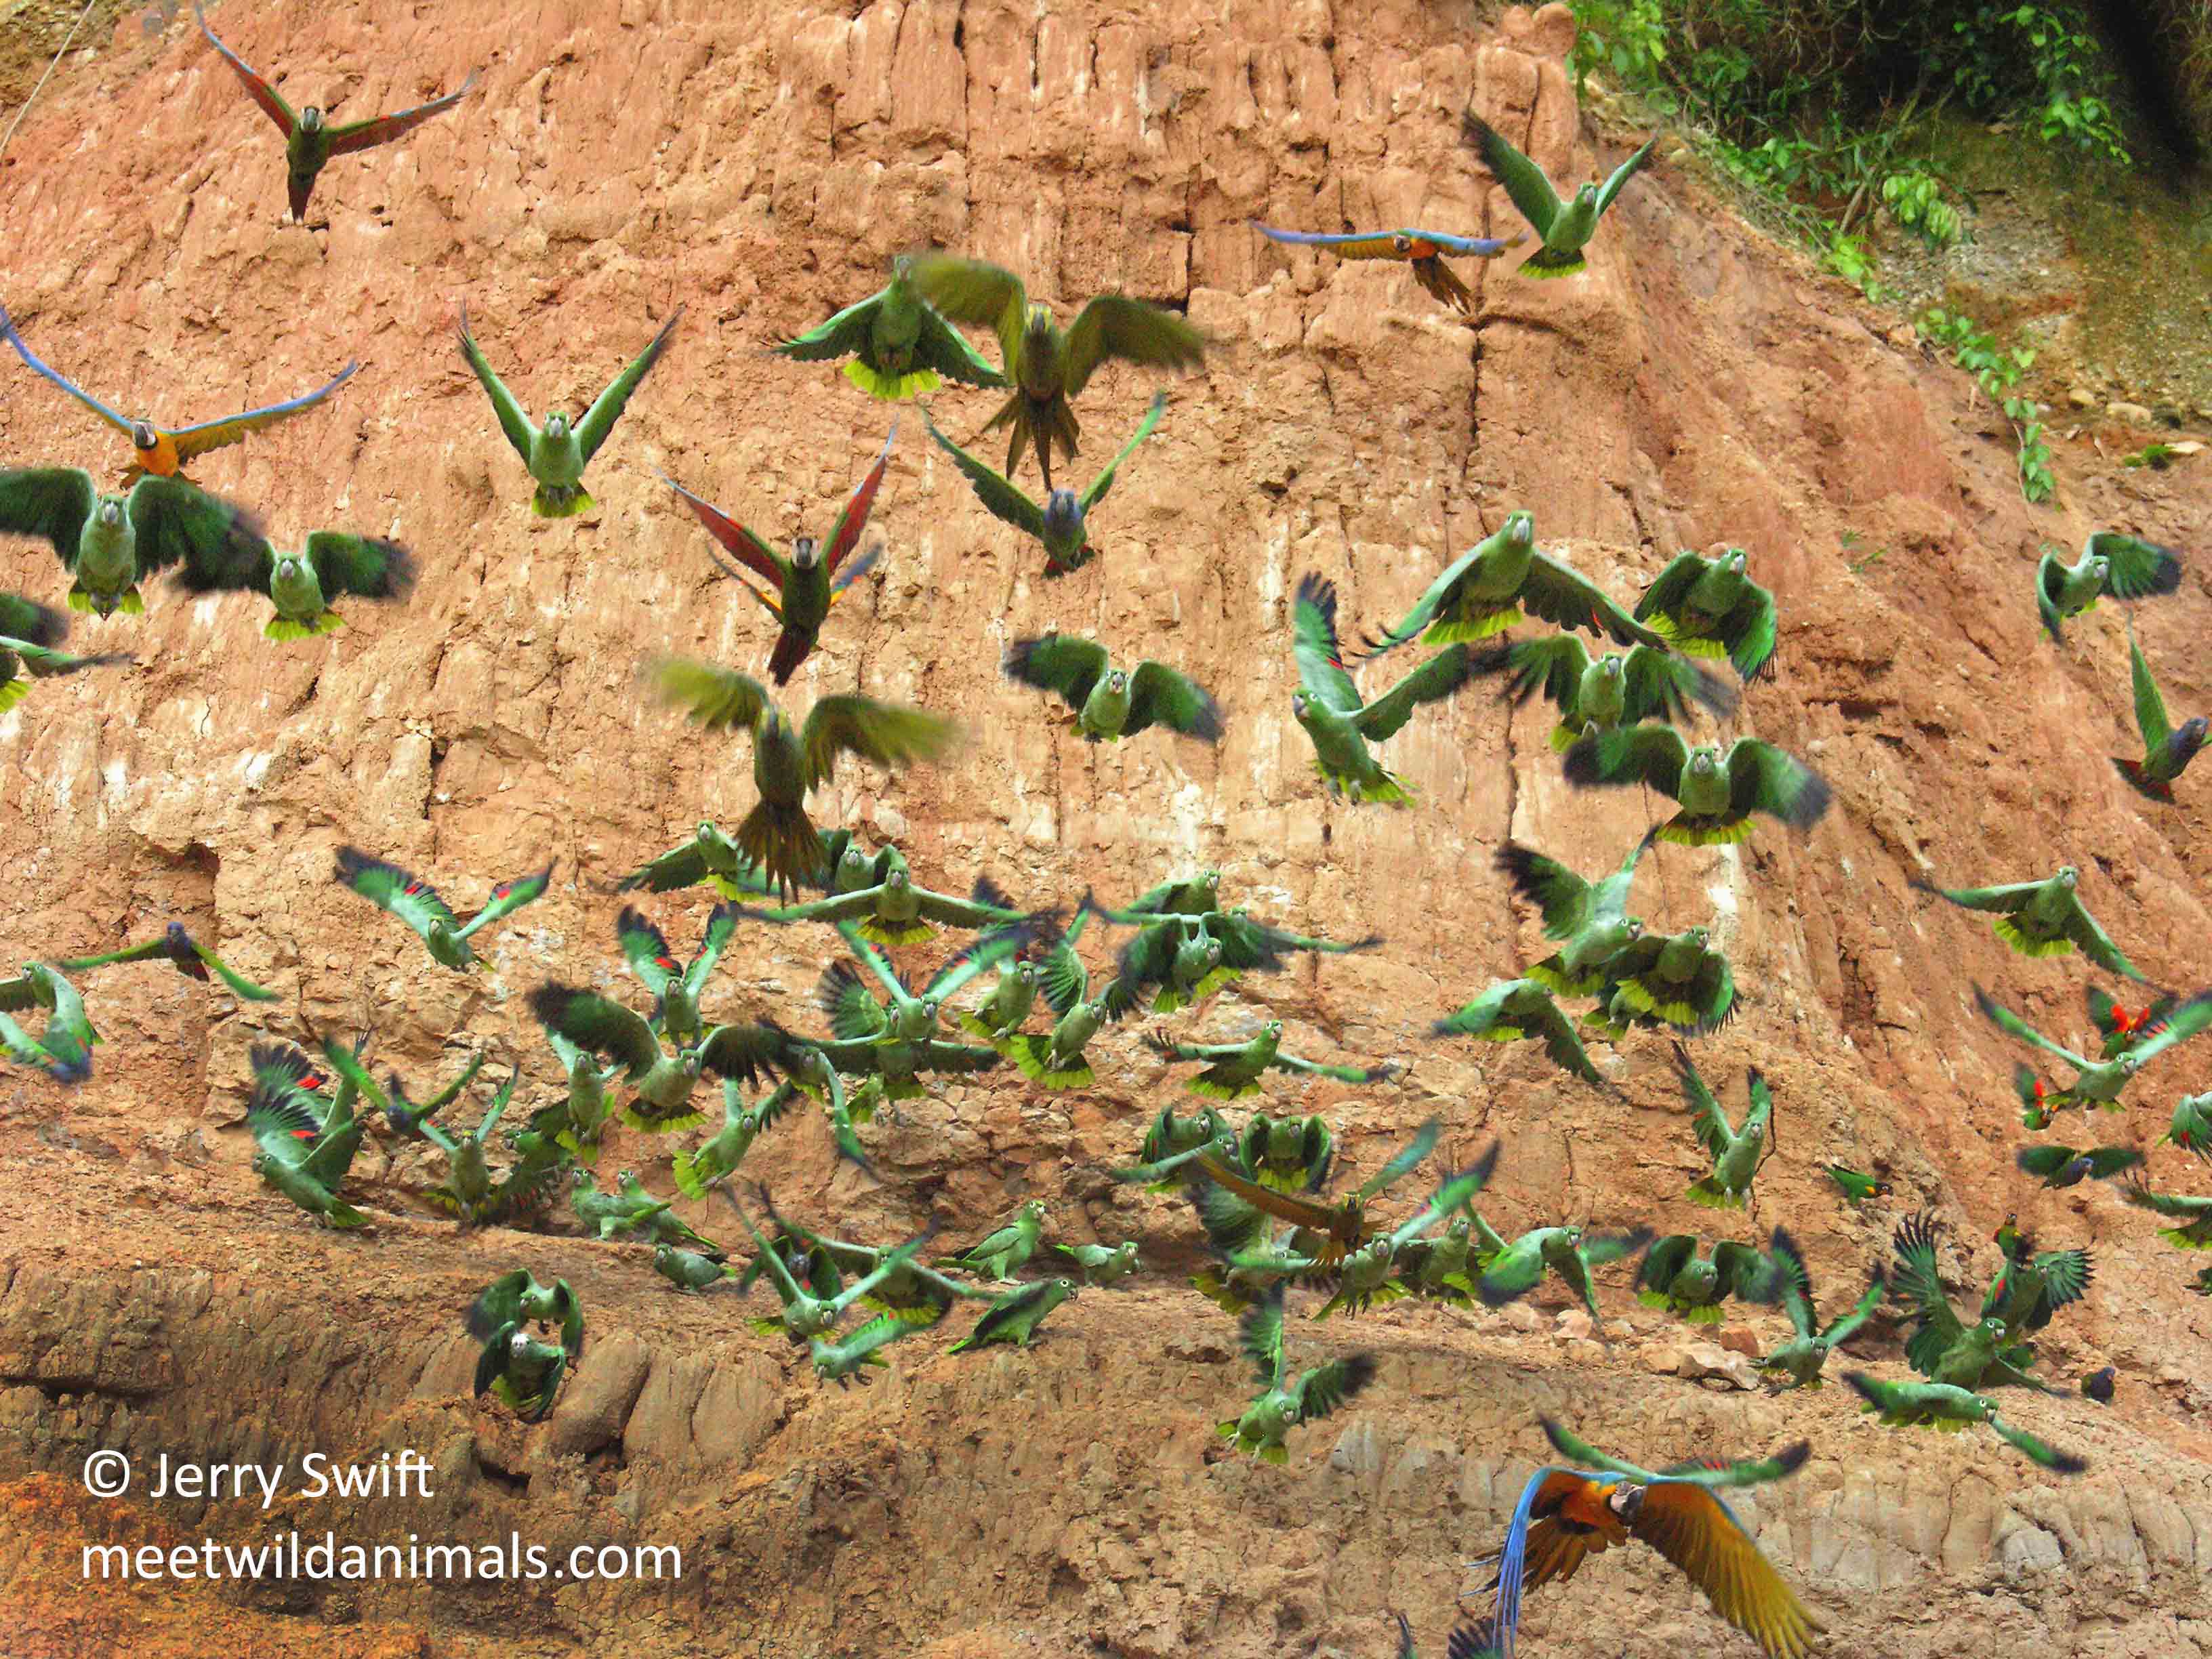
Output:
[[760, 164]]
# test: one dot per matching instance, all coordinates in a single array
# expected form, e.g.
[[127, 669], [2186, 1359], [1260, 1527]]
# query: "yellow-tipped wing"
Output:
[[1697, 1532]]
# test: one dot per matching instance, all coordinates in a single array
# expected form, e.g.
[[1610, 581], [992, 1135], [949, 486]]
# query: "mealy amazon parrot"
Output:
[[468, 1189], [1055, 1060], [558, 452], [2111, 562], [1421, 251], [2167, 749], [63, 1049], [520, 1370], [802, 588], [29, 632], [1047, 368], [1604, 693], [1511, 1009], [1943, 1347], [1717, 789], [1014, 1318], [1109, 701], [109, 544], [1328, 704], [1233, 1070], [661, 1081], [2099, 1083], [1941, 1405], [687, 1270], [309, 139], [813, 1309], [891, 909], [916, 1294], [1590, 917], [846, 1362], [899, 345], [1565, 227], [301, 585], [1503, 579], [1291, 1155], [1677, 980], [789, 761], [721, 1153], [2041, 918], [1006, 1009], [517, 1298], [999, 1253], [1062, 523], [1736, 1153], [1805, 1355], [165, 451], [390, 1100], [1286, 1401], [1708, 608], [904, 1031], [1511, 1270], [1101, 1264], [1567, 1514], [676, 987], [711, 857], [416, 903], [177, 947], [1675, 1277], [1172, 1141], [2195, 1213]]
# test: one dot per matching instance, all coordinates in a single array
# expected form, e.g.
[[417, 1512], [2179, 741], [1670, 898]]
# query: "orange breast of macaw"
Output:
[[1584, 1504], [162, 460], [1417, 249]]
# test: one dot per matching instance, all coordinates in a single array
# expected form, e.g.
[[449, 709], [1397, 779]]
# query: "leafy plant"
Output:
[[1915, 200], [1998, 370]]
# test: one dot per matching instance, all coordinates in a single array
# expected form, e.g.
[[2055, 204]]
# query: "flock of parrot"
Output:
[[1260, 1188]]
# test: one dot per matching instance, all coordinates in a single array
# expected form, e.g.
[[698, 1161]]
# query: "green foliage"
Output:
[[2156, 457], [2040, 60], [1860, 566], [1915, 200], [1627, 36], [1998, 371]]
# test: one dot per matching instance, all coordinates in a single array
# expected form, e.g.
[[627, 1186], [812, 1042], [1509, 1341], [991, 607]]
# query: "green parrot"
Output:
[[1368, 1274], [1006, 1009], [2123, 1028], [1101, 1264], [914, 1293], [309, 140], [1677, 980], [1709, 608], [180, 950], [2098, 1385], [2099, 1083], [808, 583], [1675, 1277], [517, 1298], [1015, 1317], [585, 1113], [407, 1119], [2191, 1127], [62, 1050], [2168, 750], [1805, 1355], [467, 1190], [1285, 1401], [2032, 1284], [301, 585], [788, 761], [1062, 524], [631, 1209], [1173, 1140], [1515, 1008], [999, 1253], [1236, 1208], [696, 1170], [846, 1363], [899, 345], [1856, 1186], [1113, 703], [709, 856], [1510, 1271], [891, 910], [1233, 1070], [1565, 227], [1190, 947], [305, 1159], [520, 1371], [660, 1082], [29, 632], [1501, 580], [1327, 703], [416, 902], [2111, 563], [541, 1159], [676, 987], [1047, 368], [1943, 1347], [1186, 896], [109, 544], [1056, 1060], [1737, 1154], [282, 1073], [1605, 693], [1590, 917], [908, 1027], [557, 453], [1437, 1266], [2041, 918], [1942, 1405], [1717, 790], [1289, 1154], [2196, 1233], [2070, 1166], [687, 1270]]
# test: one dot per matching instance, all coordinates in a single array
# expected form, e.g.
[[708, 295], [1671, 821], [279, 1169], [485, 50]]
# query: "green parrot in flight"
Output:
[[109, 543], [301, 585], [180, 950], [557, 453], [1736, 1153], [1047, 368], [788, 761], [2167, 749], [676, 987], [808, 583], [899, 345], [1327, 703], [309, 139], [1233, 1070], [2041, 918], [2099, 1083], [1805, 1355], [29, 634], [1590, 917], [1942, 1405], [1607, 692], [1062, 524], [1284, 1400], [1708, 608], [1113, 703], [2111, 563], [1565, 227], [63, 1049], [1511, 1009], [1717, 789], [416, 903]]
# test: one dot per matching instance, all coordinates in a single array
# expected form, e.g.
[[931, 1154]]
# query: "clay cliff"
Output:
[[1700, 386]]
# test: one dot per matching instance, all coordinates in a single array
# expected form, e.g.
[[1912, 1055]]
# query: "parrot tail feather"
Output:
[[889, 385], [561, 501], [1546, 262], [1450, 631], [916, 931], [690, 1180], [2132, 770], [1690, 829], [640, 1116], [12, 693], [345, 1218], [791, 646], [782, 841], [1714, 1196], [2028, 945], [1711, 1314]]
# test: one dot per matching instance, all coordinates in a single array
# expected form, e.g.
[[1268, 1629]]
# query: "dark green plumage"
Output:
[[899, 345], [1716, 790]]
